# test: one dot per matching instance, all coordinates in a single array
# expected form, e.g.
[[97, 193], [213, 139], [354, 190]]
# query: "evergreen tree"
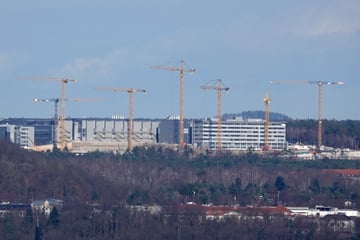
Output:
[[280, 183], [54, 217], [28, 221], [37, 232]]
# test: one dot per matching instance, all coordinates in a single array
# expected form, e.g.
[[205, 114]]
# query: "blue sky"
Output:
[[247, 44]]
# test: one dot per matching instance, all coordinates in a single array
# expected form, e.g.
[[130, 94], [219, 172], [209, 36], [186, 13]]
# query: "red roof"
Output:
[[221, 210]]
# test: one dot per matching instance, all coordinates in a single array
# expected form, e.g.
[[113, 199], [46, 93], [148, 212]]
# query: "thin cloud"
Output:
[[179, 41], [93, 67], [338, 17], [6, 62], [3, 62]]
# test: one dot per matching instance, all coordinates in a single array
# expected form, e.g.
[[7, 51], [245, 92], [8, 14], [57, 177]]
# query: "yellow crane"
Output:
[[63, 81], [218, 86], [267, 101], [131, 92], [320, 84], [182, 71], [56, 118]]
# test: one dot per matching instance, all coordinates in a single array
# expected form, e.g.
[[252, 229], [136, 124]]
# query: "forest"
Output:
[[338, 134], [98, 187]]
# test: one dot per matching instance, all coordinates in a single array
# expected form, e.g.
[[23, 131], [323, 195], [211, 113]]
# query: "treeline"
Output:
[[121, 223], [339, 134], [96, 188]]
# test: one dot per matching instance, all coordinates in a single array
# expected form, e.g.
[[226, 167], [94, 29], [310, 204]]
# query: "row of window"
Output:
[[237, 129], [238, 136], [243, 146]]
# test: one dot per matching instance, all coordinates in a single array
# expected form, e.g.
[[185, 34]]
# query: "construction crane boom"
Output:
[[219, 88], [131, 92], [63, 81], [182, 71], [320, 85]]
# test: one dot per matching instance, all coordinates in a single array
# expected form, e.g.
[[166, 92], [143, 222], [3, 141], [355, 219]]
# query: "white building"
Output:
[[22, 135], [322, 211], [238, 134], [8, 132], [45, 206], [25, 136]]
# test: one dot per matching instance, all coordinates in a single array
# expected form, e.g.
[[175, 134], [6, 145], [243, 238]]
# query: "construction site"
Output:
[[123, 134]]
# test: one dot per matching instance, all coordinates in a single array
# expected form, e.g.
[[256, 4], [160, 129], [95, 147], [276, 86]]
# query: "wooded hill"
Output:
[[110, 182]]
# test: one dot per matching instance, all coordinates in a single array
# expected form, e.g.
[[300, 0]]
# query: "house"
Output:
[[339, 224], [322, 211], [45, 206], [17, 208]]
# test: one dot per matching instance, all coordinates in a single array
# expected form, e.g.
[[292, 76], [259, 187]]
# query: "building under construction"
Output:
[[105, 134], [111, 134], [81, 135]]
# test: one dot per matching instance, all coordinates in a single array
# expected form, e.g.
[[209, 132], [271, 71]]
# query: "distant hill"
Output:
[[257, 115]]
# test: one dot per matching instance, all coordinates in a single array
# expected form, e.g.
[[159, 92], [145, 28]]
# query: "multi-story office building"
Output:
[[43, 129], [107, 134], [238, 134], [90, 134], [22, 135], [7, 132], [25, 136]]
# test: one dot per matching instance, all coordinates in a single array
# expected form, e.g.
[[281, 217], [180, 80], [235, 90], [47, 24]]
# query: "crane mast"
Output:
[[267, 101], [131, 119], [320, 84], [219, 89], [56, 118], [63, 81], [182, 71], [131, 92], [320, 93]]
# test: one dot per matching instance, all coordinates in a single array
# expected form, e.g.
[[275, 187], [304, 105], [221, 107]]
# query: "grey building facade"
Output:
[[168, 132]]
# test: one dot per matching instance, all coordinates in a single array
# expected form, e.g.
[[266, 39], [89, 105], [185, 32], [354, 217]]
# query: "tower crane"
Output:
[[218, 86], [267, 101], [320, 84], [63, 81], [131, 92], [56, 118], [182, 71]]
